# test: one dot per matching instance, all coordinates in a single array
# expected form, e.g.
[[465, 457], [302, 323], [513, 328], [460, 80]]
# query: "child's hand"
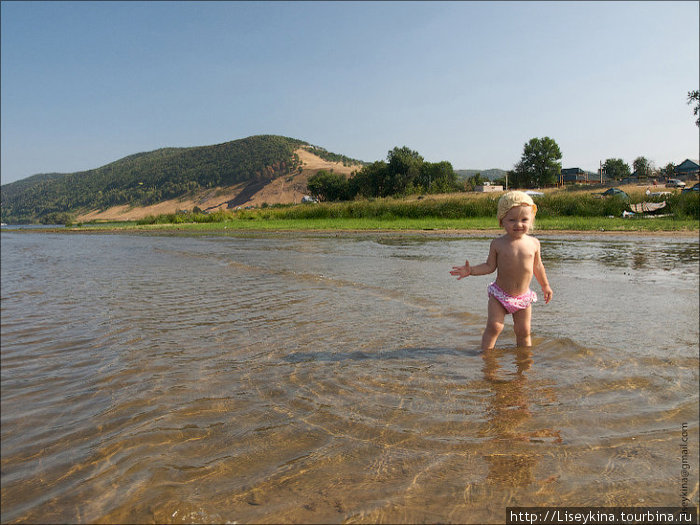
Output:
[[547, 292], [461, 271]]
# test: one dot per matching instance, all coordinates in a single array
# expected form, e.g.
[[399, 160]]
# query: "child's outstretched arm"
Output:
[[481, 269], [461, 271], [541, 277]]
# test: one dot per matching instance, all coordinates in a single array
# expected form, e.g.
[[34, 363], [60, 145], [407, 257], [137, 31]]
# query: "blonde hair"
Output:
[[513, 199]]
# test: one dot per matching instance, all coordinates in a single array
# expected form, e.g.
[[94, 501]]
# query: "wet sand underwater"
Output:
[[324, 379]]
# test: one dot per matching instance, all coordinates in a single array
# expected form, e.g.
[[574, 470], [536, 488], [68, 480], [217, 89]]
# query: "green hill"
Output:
[[491, 174], [151, 177]]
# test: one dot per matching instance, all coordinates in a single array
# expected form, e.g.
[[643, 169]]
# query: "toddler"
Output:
[[516, 256]]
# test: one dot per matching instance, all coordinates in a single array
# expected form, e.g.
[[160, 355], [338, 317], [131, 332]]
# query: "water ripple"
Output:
[[164, 379]]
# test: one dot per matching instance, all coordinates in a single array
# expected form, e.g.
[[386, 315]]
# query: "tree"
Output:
[[694, 98], [642, 167], [327, 186], [437, 177], [382, 179], [520, 177], [669, 170], [540, 163], [474, 181], [404, 172], [370, 181], [404, 168], [616, 169]]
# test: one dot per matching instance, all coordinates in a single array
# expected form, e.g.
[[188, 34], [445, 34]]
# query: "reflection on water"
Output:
[[639, 254], [508, 410], [321, 379]]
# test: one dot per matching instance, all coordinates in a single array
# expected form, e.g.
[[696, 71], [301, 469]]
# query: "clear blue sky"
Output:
[[87, 83]]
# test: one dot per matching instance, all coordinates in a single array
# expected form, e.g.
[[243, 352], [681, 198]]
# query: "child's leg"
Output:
[[521, 326], [494, 324]]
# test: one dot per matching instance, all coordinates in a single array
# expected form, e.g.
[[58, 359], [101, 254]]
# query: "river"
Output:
[[322, 378]]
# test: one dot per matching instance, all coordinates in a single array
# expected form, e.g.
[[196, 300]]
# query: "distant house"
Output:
[[688, 169], [577, 175], [573, 175]]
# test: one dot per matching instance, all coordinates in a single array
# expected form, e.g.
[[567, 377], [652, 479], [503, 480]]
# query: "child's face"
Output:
[[518, 221]]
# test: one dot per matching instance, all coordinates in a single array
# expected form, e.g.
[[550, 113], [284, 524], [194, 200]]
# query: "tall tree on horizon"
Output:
[[616, 169], [643, 168], [540, 164], [404, 165]]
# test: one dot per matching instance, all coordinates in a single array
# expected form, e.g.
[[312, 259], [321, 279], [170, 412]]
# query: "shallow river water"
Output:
[[315, 378]]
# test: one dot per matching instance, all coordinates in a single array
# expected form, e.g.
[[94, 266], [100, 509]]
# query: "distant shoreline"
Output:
[[341, 232]]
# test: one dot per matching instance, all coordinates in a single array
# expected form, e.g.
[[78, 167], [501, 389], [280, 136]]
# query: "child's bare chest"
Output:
[[522, 256]]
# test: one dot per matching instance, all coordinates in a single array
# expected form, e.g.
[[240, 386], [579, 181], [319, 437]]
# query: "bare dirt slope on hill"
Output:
[[283, 190]]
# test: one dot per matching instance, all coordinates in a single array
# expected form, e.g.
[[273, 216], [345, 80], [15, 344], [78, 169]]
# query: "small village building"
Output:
[[579, 176], [487, 187], [688, 169], [573, 175]]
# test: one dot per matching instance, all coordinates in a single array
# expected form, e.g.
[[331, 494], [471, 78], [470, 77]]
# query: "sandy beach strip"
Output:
[[427, 233]]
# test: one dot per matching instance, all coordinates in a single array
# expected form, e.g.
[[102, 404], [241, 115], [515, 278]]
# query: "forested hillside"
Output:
[[491, 174], [148, 178]]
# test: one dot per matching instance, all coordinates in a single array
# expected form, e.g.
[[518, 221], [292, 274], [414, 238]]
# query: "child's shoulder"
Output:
[[503, 239], [534, 241]]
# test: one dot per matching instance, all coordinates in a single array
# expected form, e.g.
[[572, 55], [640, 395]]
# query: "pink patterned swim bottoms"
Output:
[[510, 303]]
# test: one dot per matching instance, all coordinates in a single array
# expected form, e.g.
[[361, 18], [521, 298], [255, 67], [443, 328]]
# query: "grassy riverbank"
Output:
[[486, 224], [557, 210]]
